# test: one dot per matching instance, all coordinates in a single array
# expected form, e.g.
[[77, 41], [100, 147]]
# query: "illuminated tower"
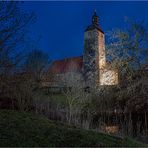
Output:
[[94, 52]]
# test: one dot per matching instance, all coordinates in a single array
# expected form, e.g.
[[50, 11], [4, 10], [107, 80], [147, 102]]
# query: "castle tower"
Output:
[[94, 52]]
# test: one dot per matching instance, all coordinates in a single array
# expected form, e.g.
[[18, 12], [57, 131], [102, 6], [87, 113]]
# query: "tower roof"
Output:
[[95, 23], [95, 18]]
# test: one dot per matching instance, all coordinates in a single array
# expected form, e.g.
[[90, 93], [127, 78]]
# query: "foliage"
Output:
[[13, 24], [127, 51], [26, 129]]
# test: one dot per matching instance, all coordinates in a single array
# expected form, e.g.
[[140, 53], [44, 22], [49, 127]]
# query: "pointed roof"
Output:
[[95, 23], [95, 18]]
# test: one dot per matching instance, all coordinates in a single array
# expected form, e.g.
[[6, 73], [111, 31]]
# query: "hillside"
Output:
[[26, 129]]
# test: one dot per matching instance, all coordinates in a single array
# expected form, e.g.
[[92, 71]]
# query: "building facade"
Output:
[[92, 66]]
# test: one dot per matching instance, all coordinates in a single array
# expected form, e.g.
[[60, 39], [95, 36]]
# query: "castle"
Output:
[[92, 65]]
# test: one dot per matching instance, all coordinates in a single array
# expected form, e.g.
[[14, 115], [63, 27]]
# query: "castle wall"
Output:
[[94, 62], [101, 50], [90, 57], [108, 77]]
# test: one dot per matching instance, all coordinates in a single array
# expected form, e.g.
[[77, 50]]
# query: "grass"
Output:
[[51, 97], [27, 129], [59, 98]]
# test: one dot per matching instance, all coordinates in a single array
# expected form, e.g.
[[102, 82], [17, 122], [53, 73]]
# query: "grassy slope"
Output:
[[26, 129]]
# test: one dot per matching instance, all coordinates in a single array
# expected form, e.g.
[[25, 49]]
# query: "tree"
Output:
[[13, 24], [73, 90], [127, 51], [36, 64]]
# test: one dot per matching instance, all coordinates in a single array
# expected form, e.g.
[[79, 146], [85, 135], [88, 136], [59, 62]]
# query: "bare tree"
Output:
[[127, 51], [36, 64], [73, 91], [13, 24]]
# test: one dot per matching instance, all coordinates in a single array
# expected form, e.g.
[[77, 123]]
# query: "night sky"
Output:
[[60, 25]]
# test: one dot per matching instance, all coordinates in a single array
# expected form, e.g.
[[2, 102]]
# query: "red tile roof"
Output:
[[67, 65]]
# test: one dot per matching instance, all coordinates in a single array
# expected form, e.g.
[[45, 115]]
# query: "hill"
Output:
[[27, 129]]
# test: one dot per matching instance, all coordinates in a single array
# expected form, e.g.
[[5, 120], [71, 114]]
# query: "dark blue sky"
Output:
[[61, 25]]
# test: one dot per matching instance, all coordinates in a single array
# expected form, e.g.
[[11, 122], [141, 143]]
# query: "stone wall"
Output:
[[94, 61]]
